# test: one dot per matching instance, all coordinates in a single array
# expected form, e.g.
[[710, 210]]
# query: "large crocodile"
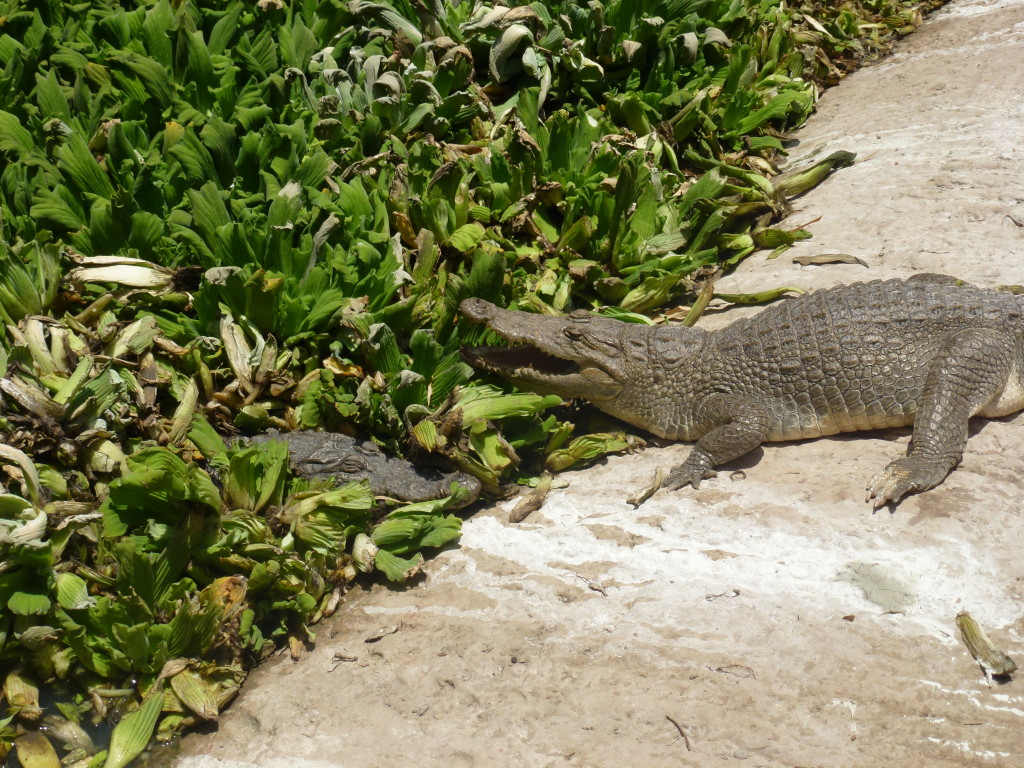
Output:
[[929, 351], [333, 455]]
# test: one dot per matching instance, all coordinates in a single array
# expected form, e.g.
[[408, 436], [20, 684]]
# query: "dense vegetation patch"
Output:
[[226, 216]]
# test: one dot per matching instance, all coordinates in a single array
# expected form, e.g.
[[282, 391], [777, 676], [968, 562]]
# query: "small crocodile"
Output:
[[326, 455], [930, 351]]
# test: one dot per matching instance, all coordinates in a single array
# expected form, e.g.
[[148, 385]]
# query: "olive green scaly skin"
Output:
[[929, 351]]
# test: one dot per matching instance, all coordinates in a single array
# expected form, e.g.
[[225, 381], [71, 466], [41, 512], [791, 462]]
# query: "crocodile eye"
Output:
[[352, 464], [576, 334]]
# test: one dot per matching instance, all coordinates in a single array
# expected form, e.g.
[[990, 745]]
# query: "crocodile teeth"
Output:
[[520, 359]]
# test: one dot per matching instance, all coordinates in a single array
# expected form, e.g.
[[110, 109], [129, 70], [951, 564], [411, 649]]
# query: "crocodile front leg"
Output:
[[737, 425], [971, 370]]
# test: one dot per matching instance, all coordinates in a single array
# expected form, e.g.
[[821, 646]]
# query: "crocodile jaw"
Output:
[[531, 367], [541, 357]]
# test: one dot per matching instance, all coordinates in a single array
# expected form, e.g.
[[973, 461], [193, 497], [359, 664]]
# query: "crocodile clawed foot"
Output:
[[683, 475], [910, 474]]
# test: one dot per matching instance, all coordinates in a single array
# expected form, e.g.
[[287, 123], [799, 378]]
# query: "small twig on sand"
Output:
[[682, 733], [594, 585]]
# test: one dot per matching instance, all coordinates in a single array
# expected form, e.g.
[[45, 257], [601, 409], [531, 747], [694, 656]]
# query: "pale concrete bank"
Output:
[[769, 619]]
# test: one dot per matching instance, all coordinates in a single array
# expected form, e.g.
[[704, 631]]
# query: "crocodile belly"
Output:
[[1009, 401], [835, 411]]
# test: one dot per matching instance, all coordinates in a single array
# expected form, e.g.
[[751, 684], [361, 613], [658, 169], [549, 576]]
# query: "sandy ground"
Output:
[[769, 619]]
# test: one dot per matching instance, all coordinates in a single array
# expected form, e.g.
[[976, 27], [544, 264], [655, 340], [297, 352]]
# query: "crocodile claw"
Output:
[[911, 474], [683, 475]]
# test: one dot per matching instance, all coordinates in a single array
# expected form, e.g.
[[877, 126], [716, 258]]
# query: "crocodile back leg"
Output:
[[973, 372]]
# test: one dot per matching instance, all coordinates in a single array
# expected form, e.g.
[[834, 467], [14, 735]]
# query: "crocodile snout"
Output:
[[477, 310]]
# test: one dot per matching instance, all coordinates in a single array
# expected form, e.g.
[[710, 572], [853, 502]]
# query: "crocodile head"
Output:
[[579, 355], [334, 456], [641, 374]]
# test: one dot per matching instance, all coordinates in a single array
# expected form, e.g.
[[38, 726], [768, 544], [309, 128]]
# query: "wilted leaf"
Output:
[[35, 751], [758, 298], [643, 494], [397, 568], [991, 659], [22, 693], [796, 182], [829, 258], [587, 448], [507, 51], [531, 501], [773, 238], [196, 693]]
